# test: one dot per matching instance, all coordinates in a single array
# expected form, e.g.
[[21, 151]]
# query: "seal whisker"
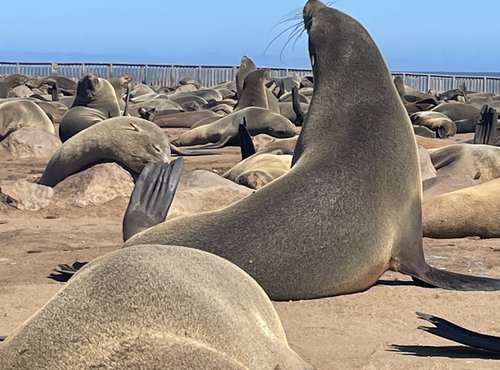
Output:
[[279, 35]]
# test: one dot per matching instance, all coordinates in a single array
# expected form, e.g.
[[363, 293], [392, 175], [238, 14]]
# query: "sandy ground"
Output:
[[360, 331]]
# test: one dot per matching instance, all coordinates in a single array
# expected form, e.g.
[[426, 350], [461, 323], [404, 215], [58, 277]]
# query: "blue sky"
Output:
[[438, 35]]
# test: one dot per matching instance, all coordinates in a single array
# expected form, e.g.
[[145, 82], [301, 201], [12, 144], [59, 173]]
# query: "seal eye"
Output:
[[156, 147]]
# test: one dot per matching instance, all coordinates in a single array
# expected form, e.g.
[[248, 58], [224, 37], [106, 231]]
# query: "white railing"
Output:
[[171, 74]]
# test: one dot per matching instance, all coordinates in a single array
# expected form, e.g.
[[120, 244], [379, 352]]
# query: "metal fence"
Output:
[[168, 75]]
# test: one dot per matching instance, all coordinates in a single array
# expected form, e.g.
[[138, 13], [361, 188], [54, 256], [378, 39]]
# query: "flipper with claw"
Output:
[[63, 272], [152, 196], [448, 330]]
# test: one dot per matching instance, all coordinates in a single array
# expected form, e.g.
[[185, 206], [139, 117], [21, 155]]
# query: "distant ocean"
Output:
[[487, 74]]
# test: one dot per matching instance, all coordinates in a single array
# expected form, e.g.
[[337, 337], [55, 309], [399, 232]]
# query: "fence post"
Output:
[[18, 68], [83, 69], [428, 82], [484, 84], [110, 70]]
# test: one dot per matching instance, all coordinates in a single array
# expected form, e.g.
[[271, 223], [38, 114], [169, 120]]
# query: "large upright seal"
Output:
[[295, 236], [95, 101], [153, 307]]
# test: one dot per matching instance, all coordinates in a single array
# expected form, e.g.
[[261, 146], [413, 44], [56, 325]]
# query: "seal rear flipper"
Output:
[[448, 330], [64, 272], [454, 281], [246, 143], [152, 196]]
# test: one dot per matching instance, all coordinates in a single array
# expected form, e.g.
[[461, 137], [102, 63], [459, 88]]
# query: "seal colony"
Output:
[[354, 167], [335, 185]]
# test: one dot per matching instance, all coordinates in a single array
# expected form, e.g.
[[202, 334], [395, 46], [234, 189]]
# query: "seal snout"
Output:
[[310, 10]]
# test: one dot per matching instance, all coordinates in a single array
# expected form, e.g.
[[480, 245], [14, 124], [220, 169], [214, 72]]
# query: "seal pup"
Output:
[[131, 142], [307, 248], [448, 330], [154, 307], [95, 101]]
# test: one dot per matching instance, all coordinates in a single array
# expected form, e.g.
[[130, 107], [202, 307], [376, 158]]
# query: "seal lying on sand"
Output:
[[129, 141], [473, 211], [301, 244], [15, 114], [222, 131], [95, 101], [154, 307]]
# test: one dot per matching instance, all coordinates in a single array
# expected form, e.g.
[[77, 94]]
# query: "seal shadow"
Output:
[[443, 351], [388, 282]]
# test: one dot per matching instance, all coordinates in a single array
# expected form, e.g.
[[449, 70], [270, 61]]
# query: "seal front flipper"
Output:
[[246, 143], [152, 196], [299, 118], [190, 152], [64, 272], [448, 330], [2, 338]]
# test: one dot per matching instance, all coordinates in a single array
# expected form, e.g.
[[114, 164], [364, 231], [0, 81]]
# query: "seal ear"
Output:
[[135, 127]]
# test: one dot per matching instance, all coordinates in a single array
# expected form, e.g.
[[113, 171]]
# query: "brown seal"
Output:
[[95, 101], [295, 236], [154, 307]]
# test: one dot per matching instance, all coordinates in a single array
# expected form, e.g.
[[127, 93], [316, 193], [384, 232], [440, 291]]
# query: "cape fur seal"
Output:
[[254, 90], [479, 162], [129, 141], [95, 101], [307, 248], [15, 114], [222, 131], [259, 169], [154, 307], [473, 211], [435, 121]]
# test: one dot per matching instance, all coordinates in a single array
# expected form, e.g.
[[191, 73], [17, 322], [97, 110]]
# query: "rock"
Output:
[[25, 195], [96, 185], [30, 142], [203, 191], [21, 91]]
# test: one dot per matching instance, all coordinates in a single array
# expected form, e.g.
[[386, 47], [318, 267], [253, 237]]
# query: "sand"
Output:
[[359, 331]]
